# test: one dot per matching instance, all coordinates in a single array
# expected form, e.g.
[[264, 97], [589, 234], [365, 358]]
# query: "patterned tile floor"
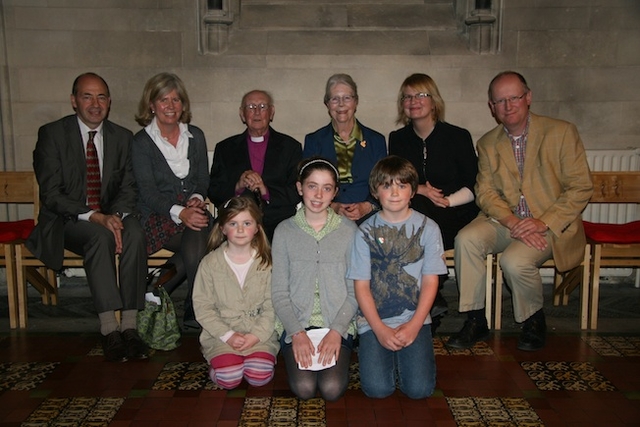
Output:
[[50, 376], [62, 380]]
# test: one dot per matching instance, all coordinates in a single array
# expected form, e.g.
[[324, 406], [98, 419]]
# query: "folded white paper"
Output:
[[316, 335]]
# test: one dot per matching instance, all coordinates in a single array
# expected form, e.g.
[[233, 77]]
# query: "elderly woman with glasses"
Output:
[[353, 148], [170, 165], [259, 163], [443, 155]]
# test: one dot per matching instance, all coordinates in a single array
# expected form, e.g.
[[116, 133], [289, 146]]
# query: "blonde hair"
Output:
[[156, 87], [230, 210], [421, 83]]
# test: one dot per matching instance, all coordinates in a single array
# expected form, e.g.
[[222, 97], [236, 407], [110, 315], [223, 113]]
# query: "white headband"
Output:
[[320, 161]]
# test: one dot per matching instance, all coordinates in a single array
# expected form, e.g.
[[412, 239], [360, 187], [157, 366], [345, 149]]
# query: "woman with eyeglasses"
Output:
[[170, 165], [353, 148], [259, 163], [445, 158]]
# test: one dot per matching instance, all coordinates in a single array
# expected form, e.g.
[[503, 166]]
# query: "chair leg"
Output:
[[497, 323], [21, 287], [488, 302], [576, 278], [595, 286], [560, 284], [52, 278], [9, 258], [584, 289], [557, 289]]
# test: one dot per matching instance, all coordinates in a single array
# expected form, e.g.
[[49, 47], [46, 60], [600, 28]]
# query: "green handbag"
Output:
[[157, 323]]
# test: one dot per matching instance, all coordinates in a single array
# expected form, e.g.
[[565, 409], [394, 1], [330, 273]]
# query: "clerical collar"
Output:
[[257, 139]]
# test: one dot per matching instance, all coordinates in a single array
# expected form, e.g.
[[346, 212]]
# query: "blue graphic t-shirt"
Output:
[[394, 257]]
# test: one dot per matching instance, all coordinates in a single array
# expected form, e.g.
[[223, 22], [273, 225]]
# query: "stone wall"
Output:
[[581, 57]]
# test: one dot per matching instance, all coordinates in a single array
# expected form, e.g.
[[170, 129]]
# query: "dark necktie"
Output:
[[93, 174]]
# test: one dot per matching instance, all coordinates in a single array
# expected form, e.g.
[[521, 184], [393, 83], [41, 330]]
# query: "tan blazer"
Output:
[[556, 182]]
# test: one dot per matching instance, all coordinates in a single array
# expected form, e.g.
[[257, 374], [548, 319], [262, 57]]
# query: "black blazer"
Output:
[[231, 159], [60, 167]]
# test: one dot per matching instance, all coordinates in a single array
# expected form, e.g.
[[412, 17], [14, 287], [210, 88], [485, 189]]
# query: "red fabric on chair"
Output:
[[15, 230], [612, 233]]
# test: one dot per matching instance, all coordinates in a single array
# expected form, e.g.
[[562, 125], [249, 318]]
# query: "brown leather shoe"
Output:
[[114, 348]]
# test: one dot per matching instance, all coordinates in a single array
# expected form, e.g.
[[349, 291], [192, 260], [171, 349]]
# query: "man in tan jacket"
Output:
[[532, 185]]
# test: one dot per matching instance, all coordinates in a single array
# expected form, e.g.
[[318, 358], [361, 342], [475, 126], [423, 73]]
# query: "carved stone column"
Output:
[[482, 24], [215, 20]]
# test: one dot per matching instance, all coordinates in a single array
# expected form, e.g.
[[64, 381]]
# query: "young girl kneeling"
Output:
[[310, 293], [232, 299]]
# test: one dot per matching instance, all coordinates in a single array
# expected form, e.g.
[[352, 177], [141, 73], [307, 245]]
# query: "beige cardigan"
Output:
[[221, 305]]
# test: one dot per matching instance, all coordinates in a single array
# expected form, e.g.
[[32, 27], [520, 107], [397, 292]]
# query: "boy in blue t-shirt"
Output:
[[396, 258]]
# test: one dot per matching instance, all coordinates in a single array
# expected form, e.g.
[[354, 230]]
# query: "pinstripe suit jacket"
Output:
[[556, 182]]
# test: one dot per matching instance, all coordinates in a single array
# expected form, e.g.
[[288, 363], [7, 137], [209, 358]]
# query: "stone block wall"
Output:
[[581, 58]]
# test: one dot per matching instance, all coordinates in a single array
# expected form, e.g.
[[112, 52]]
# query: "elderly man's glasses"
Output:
[[257, 107], [418, 97], [511, 100], [347, 99]]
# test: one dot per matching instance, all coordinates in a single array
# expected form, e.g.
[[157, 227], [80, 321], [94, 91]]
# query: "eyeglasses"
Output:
[[260, 107], [418, 97], [511, 100], [347, 99]]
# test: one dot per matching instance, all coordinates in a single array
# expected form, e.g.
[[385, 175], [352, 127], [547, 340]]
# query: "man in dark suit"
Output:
[[93, 216], [259, 161]]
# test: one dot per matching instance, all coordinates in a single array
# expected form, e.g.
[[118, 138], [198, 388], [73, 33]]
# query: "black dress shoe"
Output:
[[534, 334], [439, 307], [136, 348], [474, 330], [114, 348]]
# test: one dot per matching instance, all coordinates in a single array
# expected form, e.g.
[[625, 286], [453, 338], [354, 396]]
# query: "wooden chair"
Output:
[[28, 269], [491, 273], [612, 245], [18, 188], [608, 245], [564, 284], [23, 188]]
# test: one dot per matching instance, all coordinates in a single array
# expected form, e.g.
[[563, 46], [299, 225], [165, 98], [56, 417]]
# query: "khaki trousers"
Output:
[[520, 265]]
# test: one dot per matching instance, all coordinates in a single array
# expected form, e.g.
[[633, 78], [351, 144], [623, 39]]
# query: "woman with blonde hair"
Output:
[[445, 158], [170, 165]]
